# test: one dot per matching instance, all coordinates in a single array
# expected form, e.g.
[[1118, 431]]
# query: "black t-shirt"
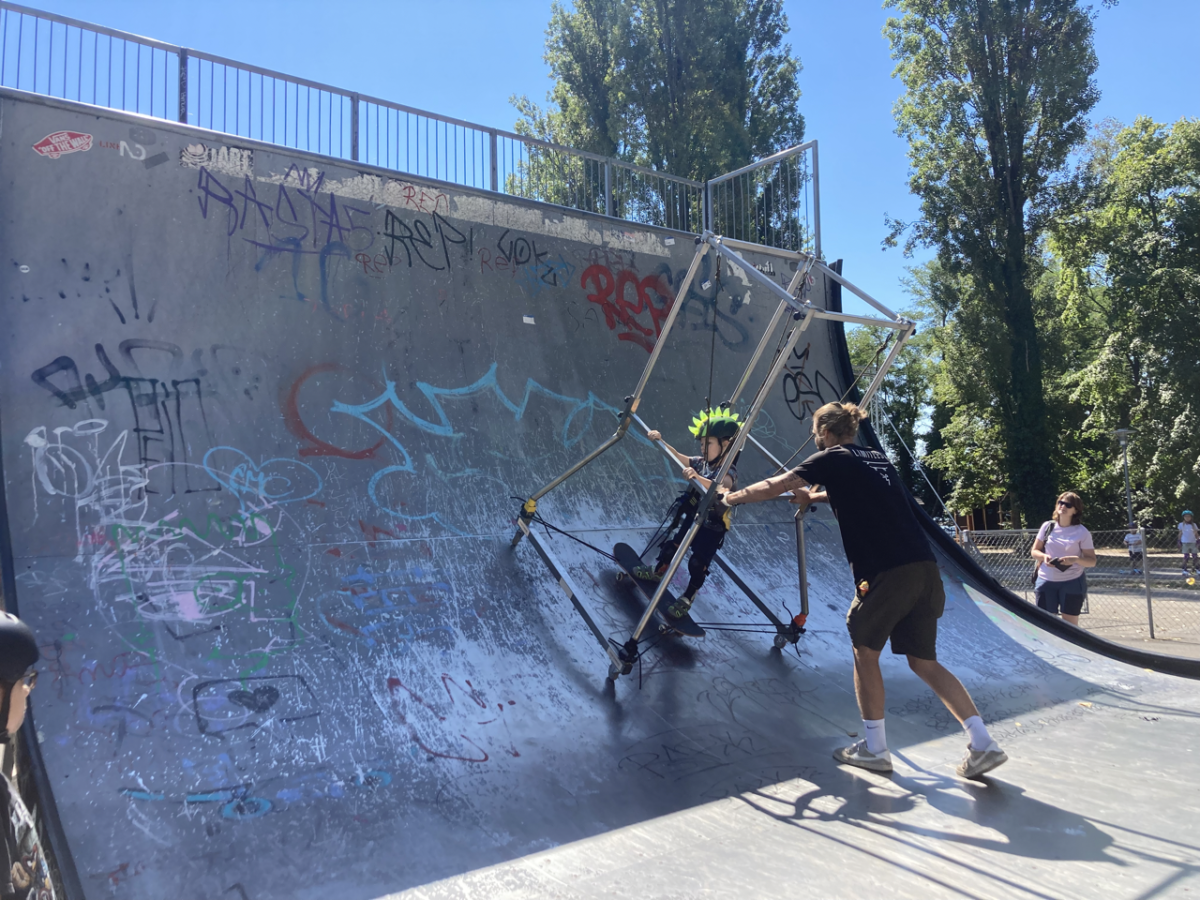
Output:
[[879, 529], [29, 874]]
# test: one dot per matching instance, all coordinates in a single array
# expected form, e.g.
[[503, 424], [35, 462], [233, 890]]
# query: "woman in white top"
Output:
[[1063, 550]]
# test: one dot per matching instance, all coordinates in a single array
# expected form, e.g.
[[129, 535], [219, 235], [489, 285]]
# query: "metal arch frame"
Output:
[[802, 314]]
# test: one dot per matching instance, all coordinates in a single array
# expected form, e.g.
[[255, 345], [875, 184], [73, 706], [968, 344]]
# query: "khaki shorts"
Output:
[[903, 604]]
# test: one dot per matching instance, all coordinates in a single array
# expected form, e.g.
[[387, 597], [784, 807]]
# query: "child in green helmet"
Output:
[[715, 430]]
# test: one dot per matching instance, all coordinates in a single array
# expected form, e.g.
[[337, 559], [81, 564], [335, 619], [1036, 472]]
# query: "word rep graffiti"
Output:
[[413, 237]]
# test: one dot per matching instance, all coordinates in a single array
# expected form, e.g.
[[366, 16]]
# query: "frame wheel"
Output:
[[780, 642], [613, 672]]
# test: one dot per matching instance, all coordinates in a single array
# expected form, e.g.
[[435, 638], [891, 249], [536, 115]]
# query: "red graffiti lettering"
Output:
[[394, 685], [295, 422], [622, 314]]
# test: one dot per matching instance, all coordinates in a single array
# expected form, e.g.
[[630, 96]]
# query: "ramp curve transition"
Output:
[[262, 423]]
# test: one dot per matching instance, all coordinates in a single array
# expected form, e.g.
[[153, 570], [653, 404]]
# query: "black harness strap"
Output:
[[550, 527]]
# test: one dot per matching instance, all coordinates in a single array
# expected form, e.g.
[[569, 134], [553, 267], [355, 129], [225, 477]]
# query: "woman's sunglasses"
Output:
[[1067, 503]]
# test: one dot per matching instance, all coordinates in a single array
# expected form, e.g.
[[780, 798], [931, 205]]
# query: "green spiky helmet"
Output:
[[719, 423]]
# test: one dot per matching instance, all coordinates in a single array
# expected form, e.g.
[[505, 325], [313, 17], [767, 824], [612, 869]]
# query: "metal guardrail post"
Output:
[[608, 204], [354, 101], [1146, 579], [708, 216], [183, 85], [816, 203], [495, 167]]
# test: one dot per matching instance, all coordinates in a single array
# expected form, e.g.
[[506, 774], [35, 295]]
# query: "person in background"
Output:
[[1063, 549], [1133, 542], [1188, 534], [24, 874]]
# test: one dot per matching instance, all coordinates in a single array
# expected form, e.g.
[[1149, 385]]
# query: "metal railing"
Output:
[[775, 201], [225, 95], [1138, 589], [61, 57]]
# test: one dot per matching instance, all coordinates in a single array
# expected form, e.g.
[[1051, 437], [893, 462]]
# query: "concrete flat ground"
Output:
[[1051, 823]]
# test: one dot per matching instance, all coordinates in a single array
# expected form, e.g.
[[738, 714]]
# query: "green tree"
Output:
[[996, 98], [691, 88], [902, 402], [1130, 276]]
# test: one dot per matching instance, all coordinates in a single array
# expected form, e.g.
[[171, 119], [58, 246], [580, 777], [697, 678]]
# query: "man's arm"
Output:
[[766, 489]]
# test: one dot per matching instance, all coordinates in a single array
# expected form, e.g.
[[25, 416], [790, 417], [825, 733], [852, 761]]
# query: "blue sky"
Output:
[[465, 58]]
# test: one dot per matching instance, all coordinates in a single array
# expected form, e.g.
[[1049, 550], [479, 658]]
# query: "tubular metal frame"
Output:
[[803, 314]]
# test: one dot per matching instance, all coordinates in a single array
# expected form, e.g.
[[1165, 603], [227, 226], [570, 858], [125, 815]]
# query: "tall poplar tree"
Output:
[[996, 98], [693, 88]]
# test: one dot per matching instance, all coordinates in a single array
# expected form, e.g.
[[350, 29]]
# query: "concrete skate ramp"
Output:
[[263, 419]]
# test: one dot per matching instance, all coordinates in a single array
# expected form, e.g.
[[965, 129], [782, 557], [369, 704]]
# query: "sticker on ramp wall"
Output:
[[62, 142]]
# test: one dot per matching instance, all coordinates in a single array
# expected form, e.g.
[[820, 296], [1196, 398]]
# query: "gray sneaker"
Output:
[[977, 762], [857, 754]]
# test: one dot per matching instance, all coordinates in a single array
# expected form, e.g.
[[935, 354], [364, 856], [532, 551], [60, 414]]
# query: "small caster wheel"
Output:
[[780, 642], [613, 672], [621, 576]]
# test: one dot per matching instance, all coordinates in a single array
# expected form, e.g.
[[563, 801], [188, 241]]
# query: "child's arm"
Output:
[[657, 436], [692, 475]]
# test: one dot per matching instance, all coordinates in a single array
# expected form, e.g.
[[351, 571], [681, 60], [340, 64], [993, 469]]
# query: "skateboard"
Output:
[[628, 559]]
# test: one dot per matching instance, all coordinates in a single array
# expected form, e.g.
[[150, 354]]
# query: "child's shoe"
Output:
[[680, 607], [645, 573]]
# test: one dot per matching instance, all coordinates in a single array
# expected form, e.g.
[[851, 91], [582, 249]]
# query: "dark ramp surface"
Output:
[[263, 416]]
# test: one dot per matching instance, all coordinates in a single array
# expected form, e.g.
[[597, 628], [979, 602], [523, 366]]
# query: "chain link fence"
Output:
[[1139, 588]]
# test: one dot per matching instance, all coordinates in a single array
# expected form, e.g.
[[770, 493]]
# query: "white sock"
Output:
[[876, 736], [980, 739]]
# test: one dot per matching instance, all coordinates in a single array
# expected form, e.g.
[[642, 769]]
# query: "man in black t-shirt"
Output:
[[899, 593], [24, 874]]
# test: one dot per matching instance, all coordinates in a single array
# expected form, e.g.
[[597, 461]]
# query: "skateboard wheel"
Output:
[[780, 642], [620, 577], [613, 672]]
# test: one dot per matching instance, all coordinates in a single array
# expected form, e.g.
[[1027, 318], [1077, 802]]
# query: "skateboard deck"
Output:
[[628, 559]]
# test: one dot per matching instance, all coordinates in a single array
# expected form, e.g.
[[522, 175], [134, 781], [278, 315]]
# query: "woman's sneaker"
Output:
[[857, 754], [977, 762]]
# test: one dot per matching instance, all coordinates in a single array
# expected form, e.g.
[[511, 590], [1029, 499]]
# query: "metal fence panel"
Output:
[[251, 102], [1132, 594], [59, 57], [775, 201]]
